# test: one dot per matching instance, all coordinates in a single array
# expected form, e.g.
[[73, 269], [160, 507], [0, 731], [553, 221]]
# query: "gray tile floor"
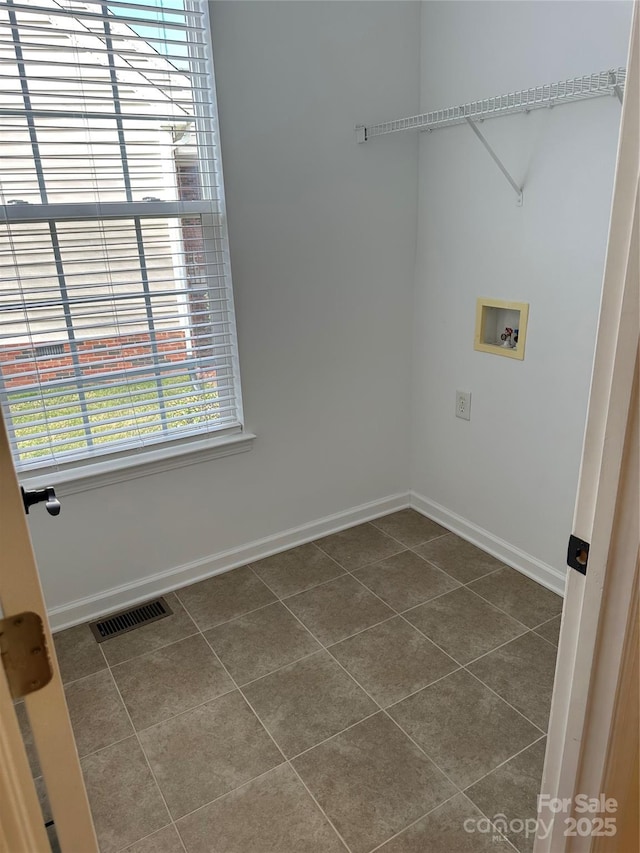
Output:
[[370, 691]]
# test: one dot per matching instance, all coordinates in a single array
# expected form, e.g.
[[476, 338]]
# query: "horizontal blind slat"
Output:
[[116, 315], [90, 14], [137, 411], [105, 403]]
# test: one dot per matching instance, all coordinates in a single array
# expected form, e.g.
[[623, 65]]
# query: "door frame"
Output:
[[20, 591], [598, 606]]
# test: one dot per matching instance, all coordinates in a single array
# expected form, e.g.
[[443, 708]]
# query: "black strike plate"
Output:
[[578, 554]]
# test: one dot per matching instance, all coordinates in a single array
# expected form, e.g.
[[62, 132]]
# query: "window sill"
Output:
[[94, 475]]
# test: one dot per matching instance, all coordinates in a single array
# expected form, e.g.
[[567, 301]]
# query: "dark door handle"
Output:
[[36, 496]]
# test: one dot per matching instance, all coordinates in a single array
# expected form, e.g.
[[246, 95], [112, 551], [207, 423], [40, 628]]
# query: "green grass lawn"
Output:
[[139, 402]]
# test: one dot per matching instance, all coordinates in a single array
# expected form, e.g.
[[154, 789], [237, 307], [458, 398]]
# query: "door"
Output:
[[21, 823], [596, 685]]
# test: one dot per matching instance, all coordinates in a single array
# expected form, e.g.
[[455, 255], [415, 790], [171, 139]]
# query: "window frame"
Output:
[[164, 453]]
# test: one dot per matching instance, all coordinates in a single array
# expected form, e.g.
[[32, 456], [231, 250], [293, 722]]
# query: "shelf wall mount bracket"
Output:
[[617, 88], [514, 185], [361, 133]]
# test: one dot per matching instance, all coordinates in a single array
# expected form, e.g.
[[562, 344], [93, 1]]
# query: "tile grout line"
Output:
[[501, 646], [232, 791], [462, 583], [309, 631], [426, 754], [553, 645], [279, 669], [422, 634], [542, 624], [277, 746], [255, 715], [450, 654], [148, 763], [414, 822], [504, 611], [183, 712], [401, 613], [322, 647], [495, 606], [197, 631], [397, 725], [394, 722], [331, 737], [468, 588], [403, 548], [460, 666], [495, 829], [277, 599], [383, 710], [240, 687], [335, 735], [234, 618], [429, 600], [546, 621], [155, 649], [151, 834], [319, 807], [253, 711], [502, 763], [357, 633], [389, 717], [420, 603], [473, 675], [401, 616], [343, 573], [420, 689], [447, 532], [102, 748], [66, 684], [163, 645]]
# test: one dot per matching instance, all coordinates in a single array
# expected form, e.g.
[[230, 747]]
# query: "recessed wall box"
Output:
[[501, 327]]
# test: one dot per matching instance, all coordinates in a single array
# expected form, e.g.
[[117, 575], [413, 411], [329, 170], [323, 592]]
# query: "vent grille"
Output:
[[130, 619], [49, 349]]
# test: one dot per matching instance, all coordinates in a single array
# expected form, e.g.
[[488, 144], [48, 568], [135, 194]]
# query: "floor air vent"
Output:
[[129, 620]]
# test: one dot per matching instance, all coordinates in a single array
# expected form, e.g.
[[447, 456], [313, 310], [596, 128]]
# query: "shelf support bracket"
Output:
[[517, 189], [617, 88]]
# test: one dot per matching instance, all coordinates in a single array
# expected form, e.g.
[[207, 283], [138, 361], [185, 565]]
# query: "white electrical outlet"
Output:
[[463, 405]]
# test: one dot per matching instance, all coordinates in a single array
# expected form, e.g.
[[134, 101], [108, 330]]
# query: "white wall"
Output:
[[323, 240], [323, 246], [512, 470]]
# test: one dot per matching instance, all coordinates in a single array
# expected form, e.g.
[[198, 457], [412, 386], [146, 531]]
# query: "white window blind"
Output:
[[116, 313]]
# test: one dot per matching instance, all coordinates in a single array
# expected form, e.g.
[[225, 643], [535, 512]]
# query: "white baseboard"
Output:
[[117, 598], [530, 566]]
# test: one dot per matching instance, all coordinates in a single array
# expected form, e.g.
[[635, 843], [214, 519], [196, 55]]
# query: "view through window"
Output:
[[116, 314]]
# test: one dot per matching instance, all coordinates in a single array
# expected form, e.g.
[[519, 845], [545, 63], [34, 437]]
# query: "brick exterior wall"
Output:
[[116, 353], [119, 353]]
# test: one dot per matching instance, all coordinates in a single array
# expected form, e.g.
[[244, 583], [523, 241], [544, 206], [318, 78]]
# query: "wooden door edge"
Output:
[[21, 823]]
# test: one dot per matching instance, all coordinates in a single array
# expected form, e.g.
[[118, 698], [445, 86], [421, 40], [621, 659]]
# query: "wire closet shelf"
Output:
[[596, 85]]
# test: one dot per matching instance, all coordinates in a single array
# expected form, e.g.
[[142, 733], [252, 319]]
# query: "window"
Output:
[[117, 327]]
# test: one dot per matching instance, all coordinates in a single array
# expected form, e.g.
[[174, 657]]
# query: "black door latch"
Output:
[[578, 554], [36, 496]]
